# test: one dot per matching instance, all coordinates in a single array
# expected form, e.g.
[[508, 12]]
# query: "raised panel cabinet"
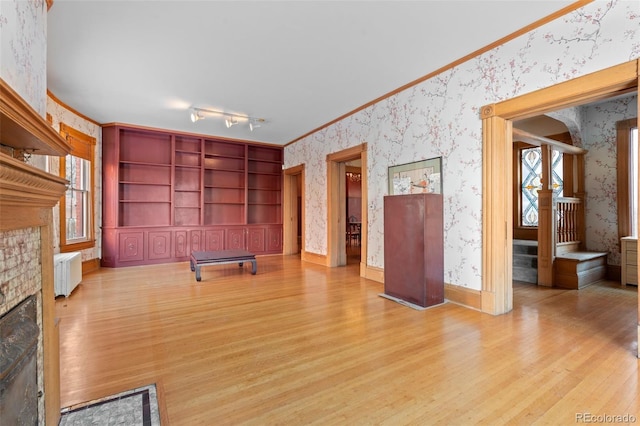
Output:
[[255, 240], [414, 248], [236, 239], [130, 246], [181, 244], [274, 239], [166, 194], [214, 239], [159, 245]]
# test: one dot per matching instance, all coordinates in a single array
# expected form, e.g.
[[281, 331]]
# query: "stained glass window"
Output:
[[531, 172]]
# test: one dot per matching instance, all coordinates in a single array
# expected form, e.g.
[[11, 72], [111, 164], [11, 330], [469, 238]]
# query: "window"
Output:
[[76, 205], [530, 183], [627, 165]]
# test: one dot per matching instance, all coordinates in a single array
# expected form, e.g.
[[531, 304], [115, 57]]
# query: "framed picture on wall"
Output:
[[419, 177]]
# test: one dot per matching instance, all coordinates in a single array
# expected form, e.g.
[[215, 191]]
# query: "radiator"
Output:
[[67, 272]]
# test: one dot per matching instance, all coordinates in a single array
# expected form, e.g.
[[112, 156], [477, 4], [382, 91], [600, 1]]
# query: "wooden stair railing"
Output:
[[569, 224]]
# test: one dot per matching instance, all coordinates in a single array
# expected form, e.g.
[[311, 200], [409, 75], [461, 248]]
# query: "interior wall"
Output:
[[23, 49], [440, 117], [599, 137]]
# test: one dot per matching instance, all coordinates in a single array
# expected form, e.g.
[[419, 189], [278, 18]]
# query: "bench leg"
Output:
[[240, 264], [254, 267], [198, 277], [191, 265]]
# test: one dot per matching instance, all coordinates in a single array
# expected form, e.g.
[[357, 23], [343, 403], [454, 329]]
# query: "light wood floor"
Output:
[[301, 345]]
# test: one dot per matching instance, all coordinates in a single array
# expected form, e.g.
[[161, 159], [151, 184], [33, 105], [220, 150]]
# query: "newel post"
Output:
[[546, 222]]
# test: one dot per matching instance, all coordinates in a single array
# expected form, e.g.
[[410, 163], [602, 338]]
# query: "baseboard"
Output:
[[614, 273], [372, 273], [318, 259], [90, 265], [463, 296]]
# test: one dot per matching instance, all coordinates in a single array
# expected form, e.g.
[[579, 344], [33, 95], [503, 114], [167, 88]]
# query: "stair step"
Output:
[[576, 270], [525, 247], [524, 274], [528, 260]]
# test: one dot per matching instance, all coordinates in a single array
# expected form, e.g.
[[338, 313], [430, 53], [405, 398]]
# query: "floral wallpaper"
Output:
[[60, 114], [599, 137], [440, 117], [23, 49]]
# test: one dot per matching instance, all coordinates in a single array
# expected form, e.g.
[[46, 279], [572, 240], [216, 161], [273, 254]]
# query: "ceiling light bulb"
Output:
[[253, 124], [230, 122], [195, 116]]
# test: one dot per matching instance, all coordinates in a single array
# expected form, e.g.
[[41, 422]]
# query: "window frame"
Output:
[[82, 146]]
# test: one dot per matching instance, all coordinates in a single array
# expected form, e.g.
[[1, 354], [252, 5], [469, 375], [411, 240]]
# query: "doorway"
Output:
[[337, 218], [497, 239], [293, 211], [353, 193]]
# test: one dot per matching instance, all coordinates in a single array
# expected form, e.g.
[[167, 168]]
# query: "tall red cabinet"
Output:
[[414, 248], [166, 194]]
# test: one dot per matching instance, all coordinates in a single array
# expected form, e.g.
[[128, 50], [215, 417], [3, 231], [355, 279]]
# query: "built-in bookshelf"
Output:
[[167, 194]]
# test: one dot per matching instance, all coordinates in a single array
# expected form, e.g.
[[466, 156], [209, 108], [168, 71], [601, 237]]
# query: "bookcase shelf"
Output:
[[168, 193]]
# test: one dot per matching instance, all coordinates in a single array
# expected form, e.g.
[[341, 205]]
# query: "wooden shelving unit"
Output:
[[167, 194]]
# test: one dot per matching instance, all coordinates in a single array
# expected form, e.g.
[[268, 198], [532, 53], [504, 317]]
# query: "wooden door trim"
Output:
[[337, 204], [497, 224], [290, 236]]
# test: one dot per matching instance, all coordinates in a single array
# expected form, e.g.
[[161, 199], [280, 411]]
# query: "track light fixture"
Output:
[[254, 124], [230, 119], [195, 116]]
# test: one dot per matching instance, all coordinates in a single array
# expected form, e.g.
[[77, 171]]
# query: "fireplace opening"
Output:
[[18, 366]]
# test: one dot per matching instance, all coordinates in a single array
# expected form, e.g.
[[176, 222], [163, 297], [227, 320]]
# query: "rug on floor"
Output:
[[133, 407]]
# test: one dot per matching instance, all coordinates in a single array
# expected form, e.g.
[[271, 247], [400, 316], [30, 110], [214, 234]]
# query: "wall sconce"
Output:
[[230, 119]]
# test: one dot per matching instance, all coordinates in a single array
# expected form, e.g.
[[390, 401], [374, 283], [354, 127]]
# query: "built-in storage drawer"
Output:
[[629, 249]]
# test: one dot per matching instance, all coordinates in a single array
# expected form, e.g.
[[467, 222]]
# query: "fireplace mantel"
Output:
[[24, 129], [26, 190], [27, 196]]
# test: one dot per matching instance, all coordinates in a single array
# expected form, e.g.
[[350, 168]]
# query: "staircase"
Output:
[[525, 261]]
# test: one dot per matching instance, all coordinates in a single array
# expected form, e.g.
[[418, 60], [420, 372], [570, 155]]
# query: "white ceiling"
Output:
[[298, 64]]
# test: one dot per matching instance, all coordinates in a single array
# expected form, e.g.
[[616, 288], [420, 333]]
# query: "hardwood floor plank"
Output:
[[299, 343]]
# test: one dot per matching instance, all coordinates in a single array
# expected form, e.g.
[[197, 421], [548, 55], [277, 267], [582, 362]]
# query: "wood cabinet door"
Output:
[[195, 241], [130, 246], [235, 239], [255, 243], [274, 239], [181, 244], [159, 245], [214, 239]]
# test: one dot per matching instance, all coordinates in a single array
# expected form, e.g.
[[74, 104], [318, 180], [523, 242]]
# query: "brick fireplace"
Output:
[[27, 197]]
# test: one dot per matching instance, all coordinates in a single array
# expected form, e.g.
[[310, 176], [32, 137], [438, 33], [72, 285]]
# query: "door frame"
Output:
[[497, 146], [290, 211], [336, 206]]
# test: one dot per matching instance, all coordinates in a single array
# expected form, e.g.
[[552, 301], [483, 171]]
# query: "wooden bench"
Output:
[[221, 257]]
